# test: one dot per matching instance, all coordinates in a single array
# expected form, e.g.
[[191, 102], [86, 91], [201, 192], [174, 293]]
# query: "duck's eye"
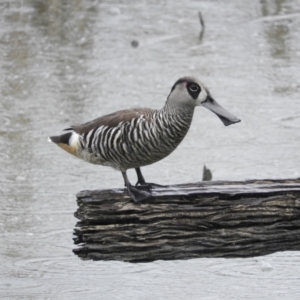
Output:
[[194, 88]]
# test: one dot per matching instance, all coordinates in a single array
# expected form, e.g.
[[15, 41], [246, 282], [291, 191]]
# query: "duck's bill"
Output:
[[226, 117]]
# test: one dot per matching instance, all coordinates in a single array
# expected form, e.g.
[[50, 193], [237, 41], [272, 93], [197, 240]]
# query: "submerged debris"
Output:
[[207, 174], [134, 44]]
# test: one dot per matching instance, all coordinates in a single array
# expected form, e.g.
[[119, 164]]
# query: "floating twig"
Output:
[[202, 26]]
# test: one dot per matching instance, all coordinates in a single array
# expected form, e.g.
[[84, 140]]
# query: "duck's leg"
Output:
[[136, 194], [141, 180]]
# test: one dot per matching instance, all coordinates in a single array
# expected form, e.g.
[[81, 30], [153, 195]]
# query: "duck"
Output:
[[137, 137]]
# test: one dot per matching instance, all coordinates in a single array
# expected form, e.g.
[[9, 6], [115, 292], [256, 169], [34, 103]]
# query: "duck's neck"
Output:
[[176, 120], [178, 113]]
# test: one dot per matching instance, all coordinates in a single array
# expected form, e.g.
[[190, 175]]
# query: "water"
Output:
[[68, 63]]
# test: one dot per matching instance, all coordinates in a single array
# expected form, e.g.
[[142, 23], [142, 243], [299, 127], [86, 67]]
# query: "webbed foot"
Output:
[[138, 195], [143, 184]]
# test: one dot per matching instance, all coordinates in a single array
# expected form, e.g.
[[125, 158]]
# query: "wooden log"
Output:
[[206, 219]]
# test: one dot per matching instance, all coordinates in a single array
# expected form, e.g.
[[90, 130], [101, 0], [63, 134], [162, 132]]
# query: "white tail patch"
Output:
[[72, 145], [73, 141], [49, 140]]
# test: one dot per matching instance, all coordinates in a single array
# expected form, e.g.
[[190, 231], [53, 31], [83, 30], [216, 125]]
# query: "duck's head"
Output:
[[190, 92]]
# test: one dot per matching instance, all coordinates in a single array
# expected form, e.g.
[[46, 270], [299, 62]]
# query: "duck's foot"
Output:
[[138, 195], [143, 184], [149, 185]]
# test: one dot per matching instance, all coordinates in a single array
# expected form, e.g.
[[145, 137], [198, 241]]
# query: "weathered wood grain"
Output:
[[205, 219]]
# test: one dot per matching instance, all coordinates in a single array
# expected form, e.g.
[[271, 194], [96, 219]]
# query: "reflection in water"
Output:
[[16, 92], [281, 36], [17, 61], [277, 32], [69, 30]]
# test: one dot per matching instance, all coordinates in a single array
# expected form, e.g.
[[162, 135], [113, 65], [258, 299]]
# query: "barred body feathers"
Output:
[[134, 143], [138, 137]]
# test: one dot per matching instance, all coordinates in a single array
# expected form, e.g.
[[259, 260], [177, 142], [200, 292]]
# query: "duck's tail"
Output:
[[67, 141]]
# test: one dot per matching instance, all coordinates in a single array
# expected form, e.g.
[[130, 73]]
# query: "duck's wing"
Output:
[[112, 120]]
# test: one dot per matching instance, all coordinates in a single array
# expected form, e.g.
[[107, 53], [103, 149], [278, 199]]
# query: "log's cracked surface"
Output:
[[206, 219]]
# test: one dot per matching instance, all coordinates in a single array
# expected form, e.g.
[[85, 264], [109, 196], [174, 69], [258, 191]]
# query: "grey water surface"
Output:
[[66, 62]]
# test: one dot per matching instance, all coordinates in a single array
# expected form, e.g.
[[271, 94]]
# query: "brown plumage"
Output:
[[113, 119]]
